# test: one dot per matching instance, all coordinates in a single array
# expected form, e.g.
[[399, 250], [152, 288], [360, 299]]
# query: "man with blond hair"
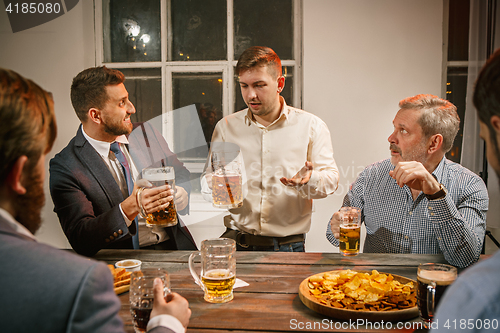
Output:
[[418, 201]]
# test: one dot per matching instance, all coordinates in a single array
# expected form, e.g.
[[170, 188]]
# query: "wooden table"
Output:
[[271, 302]]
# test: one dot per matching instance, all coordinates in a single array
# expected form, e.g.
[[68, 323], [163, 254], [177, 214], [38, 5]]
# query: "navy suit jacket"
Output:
[[86, 196], [49, 290]]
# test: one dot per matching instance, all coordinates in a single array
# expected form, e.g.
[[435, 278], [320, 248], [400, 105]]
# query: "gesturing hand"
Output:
[[416, 176], [301, 178]]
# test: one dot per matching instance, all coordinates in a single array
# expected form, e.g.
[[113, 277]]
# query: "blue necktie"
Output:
[[115, 148]]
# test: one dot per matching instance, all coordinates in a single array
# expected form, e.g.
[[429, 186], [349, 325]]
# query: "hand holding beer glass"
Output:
[[218, 269], [159, 177], [142, 294], [432, 281], [350, 230]]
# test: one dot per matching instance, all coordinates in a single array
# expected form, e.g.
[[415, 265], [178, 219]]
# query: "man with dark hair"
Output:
[[418, 201], [277, 141], [92, 188], [471, 303], [47, 290]]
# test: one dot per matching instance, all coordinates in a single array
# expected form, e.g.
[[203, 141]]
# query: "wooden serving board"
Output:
[[344, 314]]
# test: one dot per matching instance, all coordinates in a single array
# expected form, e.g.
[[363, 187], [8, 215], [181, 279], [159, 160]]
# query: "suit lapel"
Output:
[[97, 167]]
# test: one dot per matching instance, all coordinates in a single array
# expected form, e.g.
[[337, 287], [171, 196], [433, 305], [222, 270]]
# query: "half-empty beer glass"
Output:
[[218, 269], [350, 230]]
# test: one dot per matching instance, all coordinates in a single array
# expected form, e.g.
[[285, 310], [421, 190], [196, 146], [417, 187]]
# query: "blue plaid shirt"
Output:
[[395, 223]]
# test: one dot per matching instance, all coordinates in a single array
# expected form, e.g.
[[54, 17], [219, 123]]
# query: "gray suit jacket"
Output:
[[49, 290], [86, 197]]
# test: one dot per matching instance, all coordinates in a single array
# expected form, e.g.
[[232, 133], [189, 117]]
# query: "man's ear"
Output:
[[94, 115], [435, 143], [495, 122], [281, 84], [14, 178]]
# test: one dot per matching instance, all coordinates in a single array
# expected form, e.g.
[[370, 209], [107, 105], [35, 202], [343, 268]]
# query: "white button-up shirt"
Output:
[[269, 153]]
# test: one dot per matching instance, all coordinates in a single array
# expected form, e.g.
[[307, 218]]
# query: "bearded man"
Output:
[[418, 201]]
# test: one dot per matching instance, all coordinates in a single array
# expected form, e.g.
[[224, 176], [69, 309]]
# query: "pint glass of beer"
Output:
[[226, 176], [158, 177], [432, 281], [142, 294], [218, 269], [350, 230]]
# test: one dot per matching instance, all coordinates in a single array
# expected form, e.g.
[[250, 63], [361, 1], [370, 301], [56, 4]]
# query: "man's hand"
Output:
[[177, 305], [416, 176], [157, 198], [301, 178], [181, 198], [335, 224]]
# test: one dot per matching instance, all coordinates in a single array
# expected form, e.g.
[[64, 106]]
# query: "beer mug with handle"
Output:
[[226, 177], [218, 269]]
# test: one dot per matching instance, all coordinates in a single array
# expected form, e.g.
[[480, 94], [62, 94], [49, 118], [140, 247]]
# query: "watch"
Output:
[[439, 194]]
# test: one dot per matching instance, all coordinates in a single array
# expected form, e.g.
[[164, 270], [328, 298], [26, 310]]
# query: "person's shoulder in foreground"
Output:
[[471, 303]]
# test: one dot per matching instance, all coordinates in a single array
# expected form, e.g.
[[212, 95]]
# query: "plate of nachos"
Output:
[[371, 295]]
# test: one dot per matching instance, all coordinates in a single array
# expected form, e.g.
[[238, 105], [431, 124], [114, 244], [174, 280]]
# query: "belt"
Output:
[[245, 240]]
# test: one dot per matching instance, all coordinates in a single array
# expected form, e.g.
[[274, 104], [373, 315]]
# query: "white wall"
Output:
[[360, 58]]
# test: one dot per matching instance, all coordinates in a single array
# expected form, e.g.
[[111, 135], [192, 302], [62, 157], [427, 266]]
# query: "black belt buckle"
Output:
[[239, 236]]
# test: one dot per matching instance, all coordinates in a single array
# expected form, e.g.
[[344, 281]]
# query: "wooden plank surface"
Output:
[[271, 302]]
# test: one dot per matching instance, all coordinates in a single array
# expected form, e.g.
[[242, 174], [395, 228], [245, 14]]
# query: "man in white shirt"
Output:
[[287, 156], [47, 289]]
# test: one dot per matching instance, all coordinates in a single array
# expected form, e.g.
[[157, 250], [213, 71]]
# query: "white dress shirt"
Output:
[[269, 153]]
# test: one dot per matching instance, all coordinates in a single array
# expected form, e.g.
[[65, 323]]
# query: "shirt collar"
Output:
[[18, 227], [438, 172], [102, 147], [284, 114]]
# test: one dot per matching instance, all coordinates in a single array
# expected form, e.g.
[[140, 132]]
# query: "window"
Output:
[[178, 57]]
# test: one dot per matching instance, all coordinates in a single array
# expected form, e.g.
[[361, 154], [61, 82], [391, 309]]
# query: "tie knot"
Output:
[[115, 148]]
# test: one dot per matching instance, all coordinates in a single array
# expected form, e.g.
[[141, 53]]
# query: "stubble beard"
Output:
[[115, 128]]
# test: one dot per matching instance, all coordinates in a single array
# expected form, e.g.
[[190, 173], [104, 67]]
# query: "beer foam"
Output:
[[440, 277]]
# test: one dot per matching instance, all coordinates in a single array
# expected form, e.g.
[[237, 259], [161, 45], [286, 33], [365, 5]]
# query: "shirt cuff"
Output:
[[127, 221], [167, 321]]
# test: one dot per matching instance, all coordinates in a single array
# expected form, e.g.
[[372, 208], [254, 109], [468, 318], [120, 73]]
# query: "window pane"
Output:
[[199, 30], [287, 92], [199, 95], [131, 30], [456, 92], [264, 23], [144, 89], [458, 30]]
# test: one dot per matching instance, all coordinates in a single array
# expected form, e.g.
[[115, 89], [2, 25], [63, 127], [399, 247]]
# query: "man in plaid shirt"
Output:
[[418, 201]]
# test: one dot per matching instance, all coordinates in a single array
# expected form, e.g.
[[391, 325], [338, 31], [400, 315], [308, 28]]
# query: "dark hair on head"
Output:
[[88, 89], [28, 123], [486, 97], [259, 56]]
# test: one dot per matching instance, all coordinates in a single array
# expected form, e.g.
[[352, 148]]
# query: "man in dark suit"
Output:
[[96, 207], [46, 289]]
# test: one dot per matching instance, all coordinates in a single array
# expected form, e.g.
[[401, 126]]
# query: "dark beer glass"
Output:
[[432, 281]]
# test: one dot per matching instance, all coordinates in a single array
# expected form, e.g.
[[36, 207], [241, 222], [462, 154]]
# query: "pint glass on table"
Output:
[[218, 269], [350, 230], [432, 281], [159, 177]]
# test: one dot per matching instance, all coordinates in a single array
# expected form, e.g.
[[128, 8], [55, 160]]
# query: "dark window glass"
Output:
[[458, 30], [456, 93], [199, 30], [144, 89], [197, 99], [131, 30], [287, 92], [264, 23]]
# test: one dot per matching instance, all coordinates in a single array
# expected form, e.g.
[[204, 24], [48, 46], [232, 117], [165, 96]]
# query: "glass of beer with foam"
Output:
[[218, 269], [350, 230], [432, 281], [157, 177]]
